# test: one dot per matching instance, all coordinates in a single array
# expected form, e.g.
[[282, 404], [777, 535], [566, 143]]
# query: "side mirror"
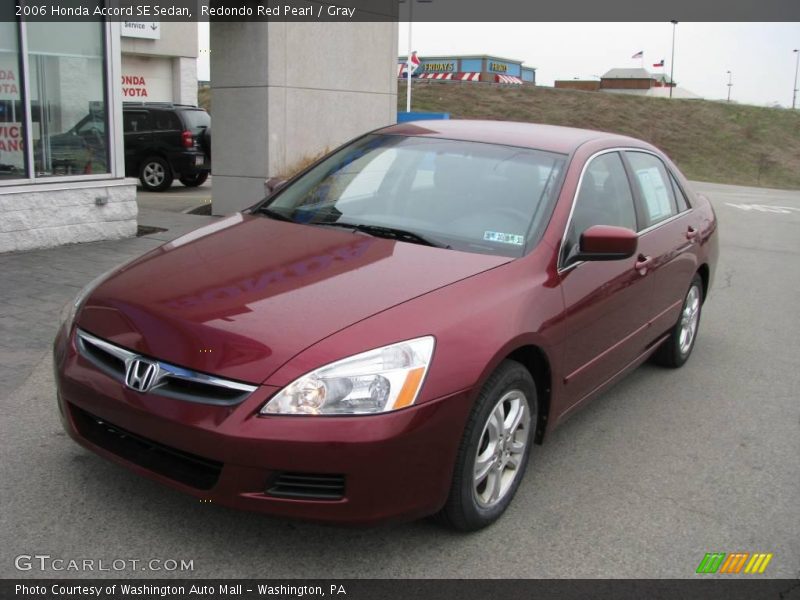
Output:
[[273, 184], [607, 242]]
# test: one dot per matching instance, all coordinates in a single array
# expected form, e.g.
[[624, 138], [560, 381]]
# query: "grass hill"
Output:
[[709, 141]]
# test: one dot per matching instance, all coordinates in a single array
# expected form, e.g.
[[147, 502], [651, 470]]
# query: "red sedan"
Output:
[[389, 334]]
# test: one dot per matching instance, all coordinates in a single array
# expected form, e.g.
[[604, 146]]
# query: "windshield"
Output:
[[469, 196]]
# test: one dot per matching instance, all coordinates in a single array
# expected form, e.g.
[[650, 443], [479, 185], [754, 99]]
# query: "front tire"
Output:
[[675, 351], [494, 449], [155, 174]]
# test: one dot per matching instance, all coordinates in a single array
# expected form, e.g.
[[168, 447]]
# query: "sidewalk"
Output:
[[35, 286]]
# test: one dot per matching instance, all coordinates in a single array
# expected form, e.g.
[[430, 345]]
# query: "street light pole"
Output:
[[730, 84], [672, 60], [796, 65]]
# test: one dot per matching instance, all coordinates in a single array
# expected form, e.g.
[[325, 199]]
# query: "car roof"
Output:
[[551, 138], [161, 105]]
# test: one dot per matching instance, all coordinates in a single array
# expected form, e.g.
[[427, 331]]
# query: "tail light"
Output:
[[188, 139]]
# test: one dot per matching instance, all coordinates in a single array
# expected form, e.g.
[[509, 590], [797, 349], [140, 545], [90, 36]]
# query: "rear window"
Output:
[[196, 119]]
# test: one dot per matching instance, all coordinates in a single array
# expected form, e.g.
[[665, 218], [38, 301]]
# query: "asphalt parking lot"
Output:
[[178, 198], [666, 466]]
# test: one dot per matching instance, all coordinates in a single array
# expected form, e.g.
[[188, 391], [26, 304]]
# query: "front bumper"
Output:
[[395, 466]]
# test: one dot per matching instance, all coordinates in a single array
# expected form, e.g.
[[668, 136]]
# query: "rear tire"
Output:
[[194, 180], [494, 450], [155, 174], [675, 351]]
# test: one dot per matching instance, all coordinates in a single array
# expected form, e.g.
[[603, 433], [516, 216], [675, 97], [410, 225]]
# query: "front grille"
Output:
[[170, 380], [183, 467], [307, 486]]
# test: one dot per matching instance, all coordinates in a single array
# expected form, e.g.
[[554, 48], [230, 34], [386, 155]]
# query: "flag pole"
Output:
[[408, 60], [672, 60]]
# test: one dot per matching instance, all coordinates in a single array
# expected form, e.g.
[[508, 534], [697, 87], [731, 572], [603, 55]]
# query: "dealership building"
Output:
[[474, 68], [159, 62], [277, 100], [62, 84]]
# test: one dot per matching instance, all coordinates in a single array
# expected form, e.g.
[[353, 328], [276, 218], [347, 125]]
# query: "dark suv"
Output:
[[164, 141]]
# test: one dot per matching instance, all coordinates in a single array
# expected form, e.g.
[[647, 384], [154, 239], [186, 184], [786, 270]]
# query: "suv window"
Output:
[[166, 121], [92, 124], [195, 119], [134, 122], [655, 186], [604, 198]]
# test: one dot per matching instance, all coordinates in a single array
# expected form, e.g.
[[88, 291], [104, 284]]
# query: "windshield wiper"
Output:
[[273, 214], [385, 232]]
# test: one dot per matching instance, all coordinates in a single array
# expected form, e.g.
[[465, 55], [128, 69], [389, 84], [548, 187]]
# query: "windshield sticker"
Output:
[[504, 238]]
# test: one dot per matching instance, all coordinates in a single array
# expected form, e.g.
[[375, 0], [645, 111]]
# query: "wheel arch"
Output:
[[534, 357], [150, 153]]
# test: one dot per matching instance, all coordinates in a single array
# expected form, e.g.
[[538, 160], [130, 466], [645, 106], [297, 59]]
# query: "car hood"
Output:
[[241, 297]]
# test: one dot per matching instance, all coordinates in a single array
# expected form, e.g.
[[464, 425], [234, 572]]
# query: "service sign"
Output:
[[149, 30]]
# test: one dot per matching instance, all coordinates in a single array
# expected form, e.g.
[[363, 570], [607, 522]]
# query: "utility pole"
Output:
[[672, 60], [730, 84], [796, 65]]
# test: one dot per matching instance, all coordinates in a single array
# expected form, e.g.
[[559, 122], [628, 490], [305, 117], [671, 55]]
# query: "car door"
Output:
[[668, 238], [138, 131], [607, 303], [167, 132]]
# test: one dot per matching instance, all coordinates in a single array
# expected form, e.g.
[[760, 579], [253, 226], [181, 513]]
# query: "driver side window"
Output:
[[604, 198]]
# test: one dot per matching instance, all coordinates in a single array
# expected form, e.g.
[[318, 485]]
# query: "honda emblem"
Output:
[[141, 374]]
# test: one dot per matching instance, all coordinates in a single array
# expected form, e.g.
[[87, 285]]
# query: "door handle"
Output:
[[643, 263], [691, 233]]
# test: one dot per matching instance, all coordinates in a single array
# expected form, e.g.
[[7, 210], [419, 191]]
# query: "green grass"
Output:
[[709, 141]]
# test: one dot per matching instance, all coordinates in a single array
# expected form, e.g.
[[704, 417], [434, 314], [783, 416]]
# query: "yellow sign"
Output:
[[440, 67], [498, 67]]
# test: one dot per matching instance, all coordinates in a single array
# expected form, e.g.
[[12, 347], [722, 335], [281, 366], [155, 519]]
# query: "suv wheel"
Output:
[[155, 174], [195, 179]]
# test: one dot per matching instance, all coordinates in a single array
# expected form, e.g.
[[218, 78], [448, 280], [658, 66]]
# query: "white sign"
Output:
[[149, 30], [146, 78]]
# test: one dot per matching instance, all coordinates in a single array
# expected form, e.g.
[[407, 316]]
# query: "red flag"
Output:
[[660, 64]]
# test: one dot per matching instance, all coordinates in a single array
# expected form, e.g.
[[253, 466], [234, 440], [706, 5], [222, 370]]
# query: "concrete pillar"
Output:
[[184, 78], [282, 92]]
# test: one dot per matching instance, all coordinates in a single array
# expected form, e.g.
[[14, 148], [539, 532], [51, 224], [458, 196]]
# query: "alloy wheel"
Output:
[[154, 174], [501, 449], [689, 320]]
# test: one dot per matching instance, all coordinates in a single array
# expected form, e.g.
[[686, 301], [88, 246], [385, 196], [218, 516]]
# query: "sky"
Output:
[[759, 55]]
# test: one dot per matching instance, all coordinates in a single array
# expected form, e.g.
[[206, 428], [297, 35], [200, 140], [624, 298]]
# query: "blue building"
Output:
[[483, 68]]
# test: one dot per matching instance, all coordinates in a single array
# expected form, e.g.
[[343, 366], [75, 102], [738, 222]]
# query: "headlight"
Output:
[[376, 381], [69, 312]]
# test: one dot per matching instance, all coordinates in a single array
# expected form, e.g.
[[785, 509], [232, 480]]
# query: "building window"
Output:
[[12, 117], [67, 73]]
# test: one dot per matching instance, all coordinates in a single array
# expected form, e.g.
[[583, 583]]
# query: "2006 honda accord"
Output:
[[389, 334]]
